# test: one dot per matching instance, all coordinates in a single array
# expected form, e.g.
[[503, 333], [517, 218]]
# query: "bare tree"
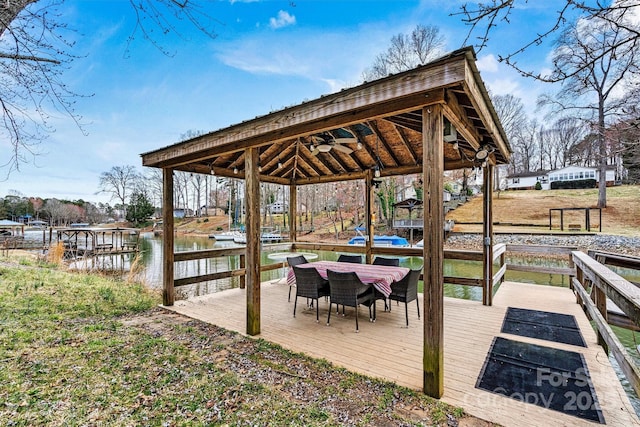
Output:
[[55, 209], [484, 17], [628, 133], [510, 110], [182, 182], [33, 56], [525, 147], [152, 183], [407, 51], [513, 118], [595, 64], [36, 49], [119, 182], [564, 138]]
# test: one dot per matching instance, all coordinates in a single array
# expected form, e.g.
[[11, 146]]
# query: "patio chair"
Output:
[[354, 259], [406, 290], [347, 289], [391, 262], [310, 285], [295, 260]]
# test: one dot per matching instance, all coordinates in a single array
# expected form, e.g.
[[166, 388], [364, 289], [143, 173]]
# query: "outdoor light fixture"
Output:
[[450, 133], [376, 171], [259, 168], [279, 164], [359, 146], [211, 171], [235, 170], [483, 153], [455, 145]]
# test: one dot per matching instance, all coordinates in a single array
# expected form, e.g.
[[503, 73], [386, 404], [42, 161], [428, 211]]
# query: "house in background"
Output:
[[528, 180], [182, 212]]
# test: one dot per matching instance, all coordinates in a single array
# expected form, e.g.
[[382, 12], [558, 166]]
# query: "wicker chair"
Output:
[[310, 285], [391, 262], [295, 260], [354, 259], [347, 289], [406, 290]]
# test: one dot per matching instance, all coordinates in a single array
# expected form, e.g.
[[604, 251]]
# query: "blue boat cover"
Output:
[[390, 240]]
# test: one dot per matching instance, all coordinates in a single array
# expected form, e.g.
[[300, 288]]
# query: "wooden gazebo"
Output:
[[433, 118]]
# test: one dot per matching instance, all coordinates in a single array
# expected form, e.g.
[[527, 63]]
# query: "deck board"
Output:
[[386, 349]]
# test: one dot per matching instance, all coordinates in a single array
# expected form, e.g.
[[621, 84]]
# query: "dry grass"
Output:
[[81, 349], [55, 254], [531, 208]]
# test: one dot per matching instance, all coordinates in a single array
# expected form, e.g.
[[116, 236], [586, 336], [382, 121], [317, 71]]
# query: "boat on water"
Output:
[[381, 241], [268, 235], [226, 236]]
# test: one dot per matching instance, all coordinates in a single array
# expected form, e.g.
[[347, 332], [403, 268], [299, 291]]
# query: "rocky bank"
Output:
[[603, 242]]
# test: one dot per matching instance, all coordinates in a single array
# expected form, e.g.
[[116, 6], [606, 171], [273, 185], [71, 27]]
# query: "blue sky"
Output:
[[267, 55]]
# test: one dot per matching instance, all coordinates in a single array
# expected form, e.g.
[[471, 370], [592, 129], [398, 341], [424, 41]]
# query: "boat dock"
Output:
[[80, 242], [386, 349]]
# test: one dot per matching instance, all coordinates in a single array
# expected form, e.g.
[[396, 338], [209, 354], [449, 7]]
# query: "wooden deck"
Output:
[[387, 350]]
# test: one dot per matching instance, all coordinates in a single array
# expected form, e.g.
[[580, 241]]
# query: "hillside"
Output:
[[516, 211], [529, 210]]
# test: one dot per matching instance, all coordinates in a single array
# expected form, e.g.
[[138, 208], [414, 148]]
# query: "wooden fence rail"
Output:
[[499, 259], [605, 284]]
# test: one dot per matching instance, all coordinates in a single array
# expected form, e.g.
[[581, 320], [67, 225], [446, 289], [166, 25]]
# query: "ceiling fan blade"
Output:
[[343, 149], [315, 151], [345, 140]]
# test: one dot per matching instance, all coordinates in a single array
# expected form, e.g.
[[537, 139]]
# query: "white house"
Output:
[[528, 180]]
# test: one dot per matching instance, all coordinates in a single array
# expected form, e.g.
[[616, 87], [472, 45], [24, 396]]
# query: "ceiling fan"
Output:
[[327, 141]]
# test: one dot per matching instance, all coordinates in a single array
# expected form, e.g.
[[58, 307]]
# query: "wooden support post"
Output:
[[601, 304], [168, 294], [487, 235], [369, 207], [293, 212], [243, 278], [252, 206], [433, 252]]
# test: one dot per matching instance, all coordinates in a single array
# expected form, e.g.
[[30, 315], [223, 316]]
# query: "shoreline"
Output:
[[623, 245]]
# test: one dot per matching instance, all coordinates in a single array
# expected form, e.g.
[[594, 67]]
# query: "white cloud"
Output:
[[487, 63], [283, 20], [255, 58]]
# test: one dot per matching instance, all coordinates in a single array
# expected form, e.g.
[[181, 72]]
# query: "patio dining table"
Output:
[[380, 276]]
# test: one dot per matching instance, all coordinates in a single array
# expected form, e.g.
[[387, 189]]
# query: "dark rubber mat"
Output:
[[543, 325], [543, 376]]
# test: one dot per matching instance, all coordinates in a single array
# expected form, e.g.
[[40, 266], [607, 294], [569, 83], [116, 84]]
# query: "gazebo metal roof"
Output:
[[384, 115]]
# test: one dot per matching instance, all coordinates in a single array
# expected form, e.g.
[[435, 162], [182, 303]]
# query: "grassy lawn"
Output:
[[531, 207], [78, 349]]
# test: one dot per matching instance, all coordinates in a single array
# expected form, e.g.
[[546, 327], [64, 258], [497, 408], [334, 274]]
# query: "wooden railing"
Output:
[[605, 284], [219, 253], [466, 255], [499, 260]]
